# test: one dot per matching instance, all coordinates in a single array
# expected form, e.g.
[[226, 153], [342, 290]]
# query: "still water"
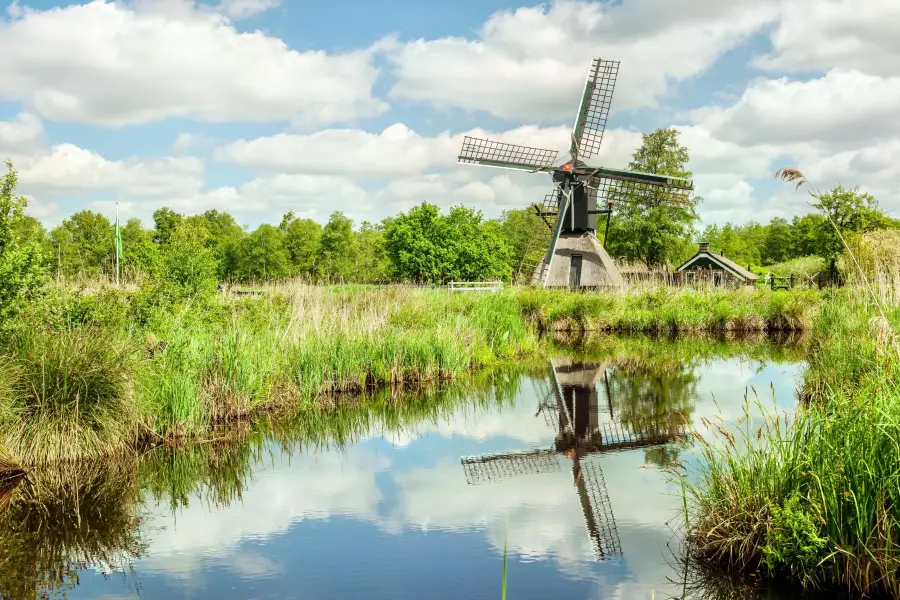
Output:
[[386, 504]]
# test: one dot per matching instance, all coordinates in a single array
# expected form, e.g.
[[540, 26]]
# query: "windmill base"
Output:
[[580, 261]]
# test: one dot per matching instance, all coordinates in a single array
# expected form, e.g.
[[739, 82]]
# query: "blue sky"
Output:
[[282, 106]]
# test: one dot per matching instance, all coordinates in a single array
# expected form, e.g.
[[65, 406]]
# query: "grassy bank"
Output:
[[813, 498], [670, 309], [84, 374]]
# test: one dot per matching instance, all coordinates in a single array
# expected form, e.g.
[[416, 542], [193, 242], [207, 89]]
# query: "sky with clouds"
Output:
[[258, 107]]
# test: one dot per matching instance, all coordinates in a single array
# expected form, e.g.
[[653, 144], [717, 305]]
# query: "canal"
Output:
[[408, 495]]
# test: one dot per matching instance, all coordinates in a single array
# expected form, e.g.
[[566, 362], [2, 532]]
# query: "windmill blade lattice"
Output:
[[488, 468], [590, 123], [623, 186], [509, 156], [601, 523]]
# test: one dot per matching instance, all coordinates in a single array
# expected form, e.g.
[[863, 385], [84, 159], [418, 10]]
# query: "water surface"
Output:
[[550, 461]]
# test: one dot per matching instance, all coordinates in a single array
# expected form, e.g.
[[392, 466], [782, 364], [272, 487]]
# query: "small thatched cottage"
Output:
[[706, 265]]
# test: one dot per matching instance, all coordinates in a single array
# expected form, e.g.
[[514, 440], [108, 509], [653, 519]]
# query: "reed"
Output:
[[67, 394], [812, 497], [78, 384]]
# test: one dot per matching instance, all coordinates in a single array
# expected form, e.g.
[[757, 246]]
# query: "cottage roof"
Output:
[[726, 263]]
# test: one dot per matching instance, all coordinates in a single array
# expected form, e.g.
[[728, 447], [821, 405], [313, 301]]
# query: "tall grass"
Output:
[[90, 371], [815, 499], [67, 394]]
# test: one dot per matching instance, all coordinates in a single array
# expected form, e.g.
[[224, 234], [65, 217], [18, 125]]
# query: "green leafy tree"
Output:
[[372, 264], [21, 260], [415, 246], [84, 244], [262, 254], [808, 235], [518, 228], [478, 249], [165, 221], [224, 239], [645, 227], [188, 266], [335, 256], [140, 254], [777, 242], [848, 213], [301, 240], [426, 247]]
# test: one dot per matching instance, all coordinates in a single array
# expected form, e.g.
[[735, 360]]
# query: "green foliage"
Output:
[[83, 245], [742, 244], [848, 213], [21, 269], [225, 236], [165, 221], [517, 228], [425, 246], [140, 255], [262, 255], [188, 265], [792, 541], [337, 248], [301, 240], [68, 394], [646, 228]]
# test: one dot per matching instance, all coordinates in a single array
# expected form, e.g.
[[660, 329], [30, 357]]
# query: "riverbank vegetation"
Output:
[[812, 497], [86, 372]]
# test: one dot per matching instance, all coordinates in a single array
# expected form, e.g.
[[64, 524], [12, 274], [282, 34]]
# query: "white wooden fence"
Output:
[[474, 286]]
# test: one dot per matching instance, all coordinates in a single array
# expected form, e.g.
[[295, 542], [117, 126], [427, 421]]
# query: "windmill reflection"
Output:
[[589, 424]]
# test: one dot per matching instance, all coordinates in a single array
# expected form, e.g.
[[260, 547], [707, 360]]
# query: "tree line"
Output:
[[426, 245]]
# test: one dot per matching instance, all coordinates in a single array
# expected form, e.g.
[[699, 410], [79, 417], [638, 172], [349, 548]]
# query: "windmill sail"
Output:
[[489, 153], [590, 122], [597, 509], [488, 468], [573, 257]]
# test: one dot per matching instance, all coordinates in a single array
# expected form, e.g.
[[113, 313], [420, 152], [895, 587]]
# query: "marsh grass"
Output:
[[67, 394], [814, 499], [87, 375], [671, 309]]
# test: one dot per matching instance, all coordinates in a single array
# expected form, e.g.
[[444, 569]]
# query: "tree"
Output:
[[84, 244], [301, 240], [335, 254], [224, 238], [646, 227], [426, 247], [166, 222], [262, 255], [139, 253], [188, 267], [518, 228], [414, 245], [21, 261], [848, 213], [372, 264], [477, 248], [777, 244]]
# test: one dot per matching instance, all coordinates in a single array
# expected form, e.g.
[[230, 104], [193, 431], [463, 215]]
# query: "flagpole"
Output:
[[117, 243]]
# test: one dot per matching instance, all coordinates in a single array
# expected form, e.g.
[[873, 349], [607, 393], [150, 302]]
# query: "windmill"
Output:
[[572, 406], [564, 250]]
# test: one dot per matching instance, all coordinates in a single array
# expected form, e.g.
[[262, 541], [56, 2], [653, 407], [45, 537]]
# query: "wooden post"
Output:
[[792, 281]]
